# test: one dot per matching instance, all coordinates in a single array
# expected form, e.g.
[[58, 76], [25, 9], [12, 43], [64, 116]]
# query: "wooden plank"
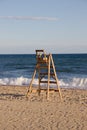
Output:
[[50, 89], [52, 74], [52, 82], [34, 90], [42, 62], [39, 50], [43, 67]]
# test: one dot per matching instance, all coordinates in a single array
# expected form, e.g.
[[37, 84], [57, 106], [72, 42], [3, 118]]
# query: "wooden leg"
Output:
[[59, 88], [39, 89], [56, 77], [48, 79], [30, 86]]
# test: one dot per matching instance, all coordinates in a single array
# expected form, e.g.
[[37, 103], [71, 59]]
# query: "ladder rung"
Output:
[[54, 82], [47, 74], [50, 89], [44, 67], [39, 50], [41, 62]]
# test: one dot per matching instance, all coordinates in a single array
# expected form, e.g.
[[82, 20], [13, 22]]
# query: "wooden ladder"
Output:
[[45, 68]]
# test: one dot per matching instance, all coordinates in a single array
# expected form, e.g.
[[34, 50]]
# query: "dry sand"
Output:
[[18, 113]]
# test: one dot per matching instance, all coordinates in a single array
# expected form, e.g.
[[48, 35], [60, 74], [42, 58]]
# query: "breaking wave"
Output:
[[75, 82]]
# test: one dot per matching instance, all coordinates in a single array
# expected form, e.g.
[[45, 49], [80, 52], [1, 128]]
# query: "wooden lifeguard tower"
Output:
[[45, 69]]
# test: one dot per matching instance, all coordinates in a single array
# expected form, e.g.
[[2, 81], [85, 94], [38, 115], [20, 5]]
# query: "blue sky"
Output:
[[58, 26]]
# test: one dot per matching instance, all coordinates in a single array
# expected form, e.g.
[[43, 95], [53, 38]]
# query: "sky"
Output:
[[57, 26]]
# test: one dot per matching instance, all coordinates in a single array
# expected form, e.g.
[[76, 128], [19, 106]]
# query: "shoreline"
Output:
[[26, 86], [36, 113]]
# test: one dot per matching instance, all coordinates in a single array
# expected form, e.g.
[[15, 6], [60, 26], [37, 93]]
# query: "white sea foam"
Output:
[[14, 81], [65, 83], [74, 83]]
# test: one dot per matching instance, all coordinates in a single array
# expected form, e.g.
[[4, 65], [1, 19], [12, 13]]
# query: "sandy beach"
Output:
[[36, 113]]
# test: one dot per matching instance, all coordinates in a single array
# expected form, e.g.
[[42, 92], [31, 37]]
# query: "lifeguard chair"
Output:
[[46, 73]]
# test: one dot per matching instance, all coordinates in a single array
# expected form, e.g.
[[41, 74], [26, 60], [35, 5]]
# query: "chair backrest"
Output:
[[40, 55]]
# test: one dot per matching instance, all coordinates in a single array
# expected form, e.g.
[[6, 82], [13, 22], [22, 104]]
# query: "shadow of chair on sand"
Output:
[[5, 96]]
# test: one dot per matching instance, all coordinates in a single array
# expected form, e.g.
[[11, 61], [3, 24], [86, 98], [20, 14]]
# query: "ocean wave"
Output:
[[14, 81], [80, 83]]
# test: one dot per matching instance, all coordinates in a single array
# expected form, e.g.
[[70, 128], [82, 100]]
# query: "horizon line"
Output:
[[35, 53]]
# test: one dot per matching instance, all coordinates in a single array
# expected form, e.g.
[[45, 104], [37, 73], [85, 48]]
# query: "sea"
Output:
[[17, 69]]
